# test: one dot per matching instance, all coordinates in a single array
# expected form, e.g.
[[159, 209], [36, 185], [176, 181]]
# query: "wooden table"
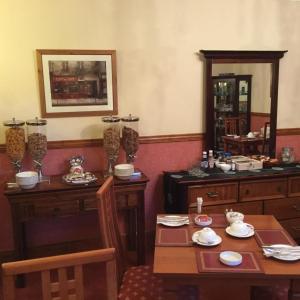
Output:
[[177, 265], [55, 199], [243, 144]]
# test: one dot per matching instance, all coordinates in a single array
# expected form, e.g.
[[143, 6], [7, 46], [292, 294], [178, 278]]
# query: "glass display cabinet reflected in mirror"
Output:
[[241, 92]]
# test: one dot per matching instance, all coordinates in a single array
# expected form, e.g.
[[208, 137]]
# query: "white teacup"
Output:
[[239, 227], [207, 235]]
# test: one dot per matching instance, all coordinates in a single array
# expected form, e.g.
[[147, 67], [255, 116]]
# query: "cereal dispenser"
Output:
[[37, 143], [130, 137], [15, 142], [111, 140]]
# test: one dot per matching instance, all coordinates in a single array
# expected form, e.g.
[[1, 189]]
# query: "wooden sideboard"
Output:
[[57, 199], [273, 192]]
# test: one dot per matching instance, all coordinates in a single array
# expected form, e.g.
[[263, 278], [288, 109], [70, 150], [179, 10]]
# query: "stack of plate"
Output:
[[124, 171]]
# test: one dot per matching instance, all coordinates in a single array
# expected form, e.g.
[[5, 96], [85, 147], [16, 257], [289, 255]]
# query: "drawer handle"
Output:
[[296, 208], [212, 194], [296, 228]]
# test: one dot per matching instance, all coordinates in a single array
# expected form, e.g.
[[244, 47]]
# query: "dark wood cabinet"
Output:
[[268, 192], [232, 98], [58, 199]]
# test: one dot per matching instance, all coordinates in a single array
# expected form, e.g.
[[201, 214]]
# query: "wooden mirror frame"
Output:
[[234, 57]]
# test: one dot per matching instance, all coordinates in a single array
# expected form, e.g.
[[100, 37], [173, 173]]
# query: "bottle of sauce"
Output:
[[204, 161]]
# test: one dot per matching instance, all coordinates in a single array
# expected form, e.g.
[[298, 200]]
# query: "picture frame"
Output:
[[77, 83]]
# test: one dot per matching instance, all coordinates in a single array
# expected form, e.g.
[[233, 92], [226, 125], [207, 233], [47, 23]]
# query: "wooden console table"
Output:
[[58, 199]]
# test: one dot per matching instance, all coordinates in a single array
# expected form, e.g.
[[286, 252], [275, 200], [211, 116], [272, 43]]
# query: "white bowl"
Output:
[[27, 180], [203, 220], [225, 167], [124, 171], [233, 216], [231, 258]]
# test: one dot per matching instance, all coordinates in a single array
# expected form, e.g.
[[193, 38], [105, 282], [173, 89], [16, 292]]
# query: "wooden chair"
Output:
[[55, 274], [136, 282], [231, 125], [235, 125]]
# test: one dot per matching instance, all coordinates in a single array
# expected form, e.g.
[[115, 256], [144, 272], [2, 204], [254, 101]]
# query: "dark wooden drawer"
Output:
[[294, 186], [263, 189], [250, 208], [213, 194], [292, 226], [41, 209], [286, 208]]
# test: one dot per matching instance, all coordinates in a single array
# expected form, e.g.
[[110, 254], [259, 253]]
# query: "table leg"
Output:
[[140, 231], [20, 248]]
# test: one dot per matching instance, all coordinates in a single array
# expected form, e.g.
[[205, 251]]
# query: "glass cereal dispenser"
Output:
[[37, 143], [111, 141], [130, 137], [15, 142]]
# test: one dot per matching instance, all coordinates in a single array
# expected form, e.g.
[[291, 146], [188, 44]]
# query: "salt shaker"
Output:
[[199, 204]]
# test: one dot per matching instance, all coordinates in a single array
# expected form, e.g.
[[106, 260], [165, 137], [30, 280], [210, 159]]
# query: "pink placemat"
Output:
[[173, 237], [208, 261], [218, 220], [273, 236]]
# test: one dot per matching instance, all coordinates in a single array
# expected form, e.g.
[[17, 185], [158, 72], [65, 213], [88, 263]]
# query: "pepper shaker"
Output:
[[199, 204]]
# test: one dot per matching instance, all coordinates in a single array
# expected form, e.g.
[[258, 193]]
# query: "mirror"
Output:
[[242, 86]]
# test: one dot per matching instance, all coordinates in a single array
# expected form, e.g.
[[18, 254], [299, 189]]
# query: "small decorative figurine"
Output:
[[76, 164], [77, 174]]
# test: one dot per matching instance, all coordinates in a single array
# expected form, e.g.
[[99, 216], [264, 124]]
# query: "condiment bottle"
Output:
[[111, 140], [130, 136], [211, 161], [15, 142], [199, 204], [204, 161]]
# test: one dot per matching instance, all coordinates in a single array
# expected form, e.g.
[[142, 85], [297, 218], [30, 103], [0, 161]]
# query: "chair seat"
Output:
[[139, 283]]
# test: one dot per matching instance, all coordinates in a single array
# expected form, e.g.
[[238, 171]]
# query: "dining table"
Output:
[[180, 261]]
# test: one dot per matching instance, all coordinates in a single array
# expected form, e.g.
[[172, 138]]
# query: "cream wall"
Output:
[[159, 74]]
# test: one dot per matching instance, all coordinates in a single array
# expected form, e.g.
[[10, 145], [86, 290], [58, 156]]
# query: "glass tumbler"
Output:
[[15, 142], [130, 137], [37, 143], [111, 141]]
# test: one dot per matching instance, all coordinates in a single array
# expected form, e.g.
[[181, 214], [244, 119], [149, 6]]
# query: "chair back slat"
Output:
[[78, 282], [63, 283], [46, 285], [60, 289], [108, 222]]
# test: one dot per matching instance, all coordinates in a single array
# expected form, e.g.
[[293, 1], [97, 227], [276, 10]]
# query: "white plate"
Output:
[[231, 258], [280, 256], [173, 224], [250, 232], [195, 239]]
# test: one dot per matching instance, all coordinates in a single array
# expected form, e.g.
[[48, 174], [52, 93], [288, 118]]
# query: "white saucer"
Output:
[[231, 258], [173, 224], [250, 232], [195, 239]]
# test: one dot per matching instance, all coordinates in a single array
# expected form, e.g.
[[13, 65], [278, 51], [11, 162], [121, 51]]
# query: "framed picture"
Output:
[[75, 83]]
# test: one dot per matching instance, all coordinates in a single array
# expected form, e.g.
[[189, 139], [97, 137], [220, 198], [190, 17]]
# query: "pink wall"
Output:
[[152, 159], [258, 122]]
